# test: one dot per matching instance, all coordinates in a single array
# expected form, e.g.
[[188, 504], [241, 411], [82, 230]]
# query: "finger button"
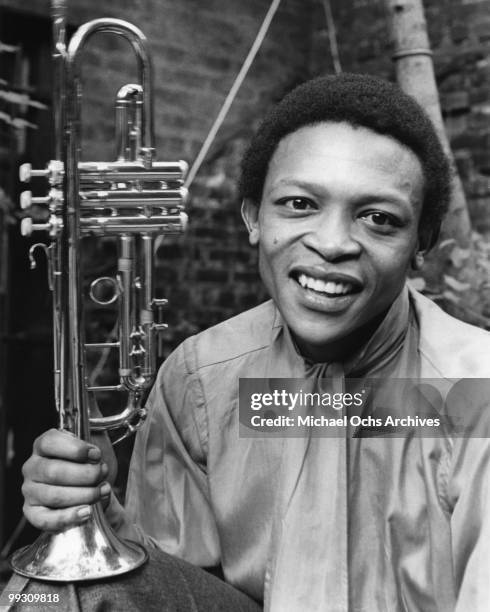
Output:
[[26, 199], [26, 226], [25, 173]]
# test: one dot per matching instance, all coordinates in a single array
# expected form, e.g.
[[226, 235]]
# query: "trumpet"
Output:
[[134, 199]]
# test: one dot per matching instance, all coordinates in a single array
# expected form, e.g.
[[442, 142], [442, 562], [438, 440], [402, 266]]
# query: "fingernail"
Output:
[[84, 513], [104, 469], [105, 489], [94, 454]]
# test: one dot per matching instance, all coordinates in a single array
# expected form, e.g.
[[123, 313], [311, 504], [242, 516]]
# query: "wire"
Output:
[[104, 356], [232, 93], [332, 37], [4, 553]]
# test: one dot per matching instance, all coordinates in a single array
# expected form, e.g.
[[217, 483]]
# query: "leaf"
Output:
[[5, 118], [4, 48], [446, 243], [458, 256], [454, 283], [450, 297], [485, 265], [418, 283], [13, 97], [16, 122], [22, 123], [21, 99]]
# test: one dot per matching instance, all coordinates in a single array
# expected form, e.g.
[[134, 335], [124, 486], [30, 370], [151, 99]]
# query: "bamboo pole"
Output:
[[415, 75]]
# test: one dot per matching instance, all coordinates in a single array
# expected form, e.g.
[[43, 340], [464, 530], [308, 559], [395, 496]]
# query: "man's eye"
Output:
[[297, 203], [380, 219]]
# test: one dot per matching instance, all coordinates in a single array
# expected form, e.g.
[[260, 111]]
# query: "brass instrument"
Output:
[[134, 199]]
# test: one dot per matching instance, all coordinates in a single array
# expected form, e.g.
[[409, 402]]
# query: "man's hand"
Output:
[[63, 476]]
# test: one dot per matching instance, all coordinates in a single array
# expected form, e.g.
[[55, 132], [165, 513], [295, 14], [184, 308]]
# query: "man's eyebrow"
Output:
[[390, 197], [293, 182], [312, 187]]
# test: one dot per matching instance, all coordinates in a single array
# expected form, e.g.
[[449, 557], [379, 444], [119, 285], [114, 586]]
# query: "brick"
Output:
[[210, 275], [455, 101], [169, 251]]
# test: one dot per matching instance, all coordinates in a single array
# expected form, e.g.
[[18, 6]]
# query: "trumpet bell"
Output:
[[90, 551]]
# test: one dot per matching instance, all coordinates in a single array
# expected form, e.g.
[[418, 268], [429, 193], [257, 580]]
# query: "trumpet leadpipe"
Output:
[[157, 224], [164, 198], [112, 225], [132, 171]]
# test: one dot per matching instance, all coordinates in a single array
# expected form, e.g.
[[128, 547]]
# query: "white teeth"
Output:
[[329, 287]]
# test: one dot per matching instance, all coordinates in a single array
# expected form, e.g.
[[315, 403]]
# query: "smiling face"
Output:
[[336, 231]]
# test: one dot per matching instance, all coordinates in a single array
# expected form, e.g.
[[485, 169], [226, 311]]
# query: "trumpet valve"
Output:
[[53, 226], [53, 172], [27, 227], [26, 173], [53, 199]]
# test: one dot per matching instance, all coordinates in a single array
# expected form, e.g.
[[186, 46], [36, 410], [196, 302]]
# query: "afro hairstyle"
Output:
[[360, 100]]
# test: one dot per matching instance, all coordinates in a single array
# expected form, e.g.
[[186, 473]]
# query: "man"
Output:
[[345, 186]]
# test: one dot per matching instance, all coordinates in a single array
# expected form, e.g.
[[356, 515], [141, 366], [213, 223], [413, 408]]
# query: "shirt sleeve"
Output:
[[167, 500], [469, 497]]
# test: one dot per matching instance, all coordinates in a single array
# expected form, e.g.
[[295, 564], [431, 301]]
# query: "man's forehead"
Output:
[[337, 144], [343, 131]]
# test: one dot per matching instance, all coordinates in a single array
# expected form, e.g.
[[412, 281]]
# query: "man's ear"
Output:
[[418, 257], [250, 215]]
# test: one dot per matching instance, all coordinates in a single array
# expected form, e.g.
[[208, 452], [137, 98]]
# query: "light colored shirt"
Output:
[[316, 524]]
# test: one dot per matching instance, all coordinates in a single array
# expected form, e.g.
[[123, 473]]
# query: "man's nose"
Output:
[[333, 237]]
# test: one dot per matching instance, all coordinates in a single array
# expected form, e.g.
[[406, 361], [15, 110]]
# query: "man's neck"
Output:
[[343, 349]]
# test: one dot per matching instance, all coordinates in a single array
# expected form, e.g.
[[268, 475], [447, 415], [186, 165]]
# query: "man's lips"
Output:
[[328, 283]]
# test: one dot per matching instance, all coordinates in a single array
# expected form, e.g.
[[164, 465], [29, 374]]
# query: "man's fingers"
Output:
[[64, 445], [62, 479], [47, 519], [64, 473], [63, 497]]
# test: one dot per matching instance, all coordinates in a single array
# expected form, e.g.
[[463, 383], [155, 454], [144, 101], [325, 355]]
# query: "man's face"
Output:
[[336, 230]]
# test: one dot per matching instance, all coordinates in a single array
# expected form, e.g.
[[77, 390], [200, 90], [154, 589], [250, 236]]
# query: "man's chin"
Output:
[[320, 346]]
